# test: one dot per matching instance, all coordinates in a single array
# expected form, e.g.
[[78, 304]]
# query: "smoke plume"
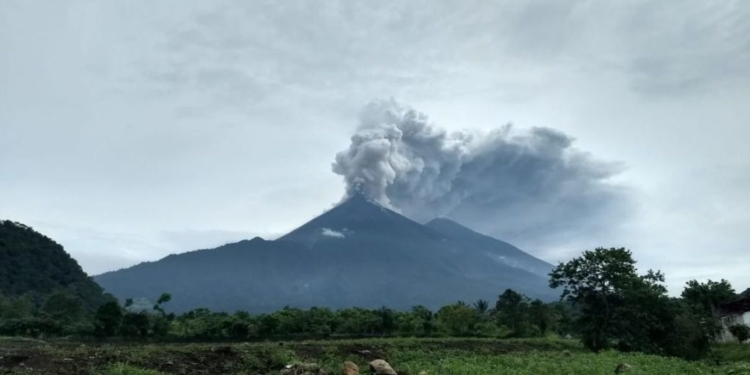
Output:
[[525, 186]]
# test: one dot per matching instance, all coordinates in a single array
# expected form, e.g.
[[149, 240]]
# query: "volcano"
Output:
[[359, 253]]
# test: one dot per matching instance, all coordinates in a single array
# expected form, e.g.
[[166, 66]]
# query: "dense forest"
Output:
[[34, 266]]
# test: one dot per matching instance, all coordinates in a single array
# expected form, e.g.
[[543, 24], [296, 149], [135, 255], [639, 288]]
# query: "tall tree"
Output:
[[160, 323], [512, 310], [425, 321], [619, 305], [542, 316], [597, 282], [108, 319], [482, 307], [704, 298]]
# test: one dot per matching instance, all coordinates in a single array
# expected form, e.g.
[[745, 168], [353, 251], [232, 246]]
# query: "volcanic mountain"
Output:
[[359, 253]]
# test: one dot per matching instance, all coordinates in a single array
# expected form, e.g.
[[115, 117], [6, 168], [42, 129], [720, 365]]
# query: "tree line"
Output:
[[604, 302], [511, 315]]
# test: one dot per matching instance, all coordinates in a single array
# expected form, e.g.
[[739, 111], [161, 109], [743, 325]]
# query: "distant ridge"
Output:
[[358, 253]]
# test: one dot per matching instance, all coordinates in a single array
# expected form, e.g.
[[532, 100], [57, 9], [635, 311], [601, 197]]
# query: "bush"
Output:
[[34, 327], [122, 369], [741, 332], [269, 358], [135, 325], [79, 329]]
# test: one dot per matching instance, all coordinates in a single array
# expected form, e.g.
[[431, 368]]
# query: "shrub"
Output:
[[741, 332], [123, 369], [268, 357]]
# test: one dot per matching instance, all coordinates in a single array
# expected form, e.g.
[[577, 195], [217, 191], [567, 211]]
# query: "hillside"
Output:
[[31, 263], [357, 254], [501, 251]]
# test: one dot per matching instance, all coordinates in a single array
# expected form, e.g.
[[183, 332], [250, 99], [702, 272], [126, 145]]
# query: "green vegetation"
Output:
[[733, 352], [615, 314], [606, 304], [442, 356], [619, 306], [741, 332], [123, 369], [34, 267]]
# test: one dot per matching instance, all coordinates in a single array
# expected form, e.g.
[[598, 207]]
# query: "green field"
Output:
[[407, 356]]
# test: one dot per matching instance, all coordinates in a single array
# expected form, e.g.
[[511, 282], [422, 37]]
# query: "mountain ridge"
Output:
[[506, 252], [354, 214], [358, 253]]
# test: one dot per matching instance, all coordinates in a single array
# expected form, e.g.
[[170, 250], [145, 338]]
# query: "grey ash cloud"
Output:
[[517, 184]]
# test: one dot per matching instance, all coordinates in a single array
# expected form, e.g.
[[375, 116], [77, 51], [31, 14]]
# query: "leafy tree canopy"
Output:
[[619, 306], [705, 297]]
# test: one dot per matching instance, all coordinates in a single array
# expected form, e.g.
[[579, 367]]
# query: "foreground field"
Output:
[[408, 357]]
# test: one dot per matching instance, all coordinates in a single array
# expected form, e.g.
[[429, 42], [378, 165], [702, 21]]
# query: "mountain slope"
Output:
[[500, 251], [31, 263], [356, 254], [362, 217]]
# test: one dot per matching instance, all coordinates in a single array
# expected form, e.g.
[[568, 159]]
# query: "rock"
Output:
[[350, 368], [381, 367], [622, 367]]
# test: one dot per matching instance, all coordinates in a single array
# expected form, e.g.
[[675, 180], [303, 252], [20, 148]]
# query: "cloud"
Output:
[[332, 233], [199, 98], [694, 226], [532, 186]]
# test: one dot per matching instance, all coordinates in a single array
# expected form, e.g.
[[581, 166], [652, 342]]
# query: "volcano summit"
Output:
[[359, 253]]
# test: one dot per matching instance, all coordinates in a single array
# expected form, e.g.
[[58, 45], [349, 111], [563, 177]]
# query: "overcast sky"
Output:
[[130, 130]]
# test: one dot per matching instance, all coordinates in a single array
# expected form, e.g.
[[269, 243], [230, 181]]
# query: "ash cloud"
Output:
[[531, 187]]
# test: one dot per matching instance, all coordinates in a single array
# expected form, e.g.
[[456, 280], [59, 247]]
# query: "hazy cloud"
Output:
[[133, 131], [513, 184]]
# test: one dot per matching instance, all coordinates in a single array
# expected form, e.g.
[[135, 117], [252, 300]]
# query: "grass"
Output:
[[123, 369], [408, 356], [6, 340], [546, 363], [734, 352]]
